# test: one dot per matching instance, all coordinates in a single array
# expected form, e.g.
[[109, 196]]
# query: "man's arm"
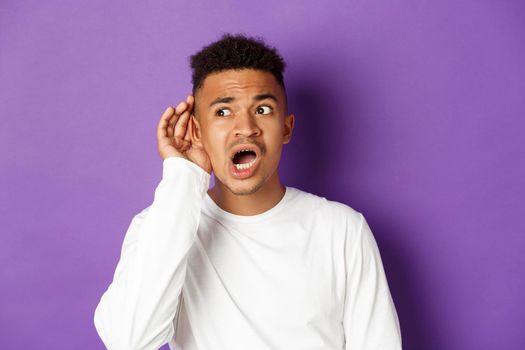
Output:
[[370, 319], [138, 308]]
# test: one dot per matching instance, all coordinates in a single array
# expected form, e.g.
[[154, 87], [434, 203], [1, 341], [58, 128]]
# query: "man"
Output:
[[249, 263]]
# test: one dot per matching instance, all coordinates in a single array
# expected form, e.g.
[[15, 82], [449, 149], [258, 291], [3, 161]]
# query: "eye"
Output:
[[223, 112], [264, 109]]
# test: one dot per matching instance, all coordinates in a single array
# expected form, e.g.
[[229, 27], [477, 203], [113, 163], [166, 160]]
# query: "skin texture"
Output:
[[205, 135], [174, 135]]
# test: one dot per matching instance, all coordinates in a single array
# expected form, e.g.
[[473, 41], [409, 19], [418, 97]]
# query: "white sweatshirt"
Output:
[[306, 274]]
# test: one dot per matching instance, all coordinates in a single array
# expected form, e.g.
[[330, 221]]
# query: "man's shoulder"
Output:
[[312, 203], [142, 213]]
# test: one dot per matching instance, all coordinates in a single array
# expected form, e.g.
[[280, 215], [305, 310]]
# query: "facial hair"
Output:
[[260, 183]]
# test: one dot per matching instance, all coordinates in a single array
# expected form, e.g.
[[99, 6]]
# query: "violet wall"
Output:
[[411, 112]]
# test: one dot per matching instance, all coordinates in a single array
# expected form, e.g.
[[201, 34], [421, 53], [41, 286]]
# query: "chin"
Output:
[[245, 189]]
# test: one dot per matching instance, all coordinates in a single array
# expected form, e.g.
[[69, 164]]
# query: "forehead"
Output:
[[236, 83]]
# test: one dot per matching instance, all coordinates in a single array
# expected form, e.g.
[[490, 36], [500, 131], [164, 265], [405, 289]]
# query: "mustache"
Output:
[[248, 141]]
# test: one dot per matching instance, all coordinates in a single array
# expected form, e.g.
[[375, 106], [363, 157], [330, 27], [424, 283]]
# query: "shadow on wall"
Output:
[[325, 105], [415, 314], [331, 104]]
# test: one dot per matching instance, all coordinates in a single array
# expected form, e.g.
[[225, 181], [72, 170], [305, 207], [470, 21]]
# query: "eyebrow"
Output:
[[259, 97]]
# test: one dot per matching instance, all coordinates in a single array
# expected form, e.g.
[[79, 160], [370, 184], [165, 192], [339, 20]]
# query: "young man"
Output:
[[249, 263]]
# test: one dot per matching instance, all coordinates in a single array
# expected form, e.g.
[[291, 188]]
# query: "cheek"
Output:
[[274, 135], [274, 144], [214, 141]]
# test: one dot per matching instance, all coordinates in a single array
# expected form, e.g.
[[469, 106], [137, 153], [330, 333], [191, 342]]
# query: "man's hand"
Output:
[[174, 135]]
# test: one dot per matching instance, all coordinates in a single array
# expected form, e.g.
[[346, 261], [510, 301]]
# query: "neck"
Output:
[[252, 204]]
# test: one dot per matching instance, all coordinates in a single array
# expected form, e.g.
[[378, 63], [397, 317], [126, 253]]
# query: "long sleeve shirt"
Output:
[[305, 274]]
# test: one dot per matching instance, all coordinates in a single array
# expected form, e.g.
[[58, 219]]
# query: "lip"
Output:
[[244, 173]]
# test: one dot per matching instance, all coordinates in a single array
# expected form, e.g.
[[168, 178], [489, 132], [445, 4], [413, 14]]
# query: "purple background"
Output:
[[411, 112]]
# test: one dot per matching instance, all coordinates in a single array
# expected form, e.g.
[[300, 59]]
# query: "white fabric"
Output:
[[306, 274]]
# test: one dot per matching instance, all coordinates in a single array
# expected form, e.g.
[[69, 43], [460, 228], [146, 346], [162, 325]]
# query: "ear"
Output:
[[195, 132], [288, 128]]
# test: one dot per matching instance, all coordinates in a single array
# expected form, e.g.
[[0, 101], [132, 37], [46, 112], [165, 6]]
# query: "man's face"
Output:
[[240, 110]]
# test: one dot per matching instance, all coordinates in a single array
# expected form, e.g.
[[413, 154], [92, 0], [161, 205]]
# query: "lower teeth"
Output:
[[243, 166]]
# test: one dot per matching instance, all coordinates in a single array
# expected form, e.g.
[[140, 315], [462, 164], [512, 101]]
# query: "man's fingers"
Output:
[[179, 110], [182, 125], [169, 129], [174, 120], [191, 102], [181, 107], [189, 129], [163, 122]]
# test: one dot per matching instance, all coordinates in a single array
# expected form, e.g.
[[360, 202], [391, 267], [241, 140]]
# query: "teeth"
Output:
[[245, 165]]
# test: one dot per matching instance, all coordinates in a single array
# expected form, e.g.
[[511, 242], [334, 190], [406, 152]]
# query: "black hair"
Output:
[[236, 51]]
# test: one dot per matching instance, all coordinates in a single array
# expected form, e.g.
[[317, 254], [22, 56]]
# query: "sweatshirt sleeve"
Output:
[[137, 310], [370, 319]]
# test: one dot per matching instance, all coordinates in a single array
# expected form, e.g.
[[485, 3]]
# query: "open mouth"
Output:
[[243, 159]]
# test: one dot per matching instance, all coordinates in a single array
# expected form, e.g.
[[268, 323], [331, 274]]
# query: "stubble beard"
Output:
[[247, 191], [260, 183]]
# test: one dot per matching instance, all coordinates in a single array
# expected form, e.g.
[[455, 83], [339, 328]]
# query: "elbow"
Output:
[[106, 331], [111, 331], [121, 333]]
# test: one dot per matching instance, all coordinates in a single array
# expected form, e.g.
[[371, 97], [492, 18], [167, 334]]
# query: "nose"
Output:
[[246, 125]]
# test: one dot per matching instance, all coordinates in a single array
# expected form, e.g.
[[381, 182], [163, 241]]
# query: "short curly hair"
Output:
[[236, 51]]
